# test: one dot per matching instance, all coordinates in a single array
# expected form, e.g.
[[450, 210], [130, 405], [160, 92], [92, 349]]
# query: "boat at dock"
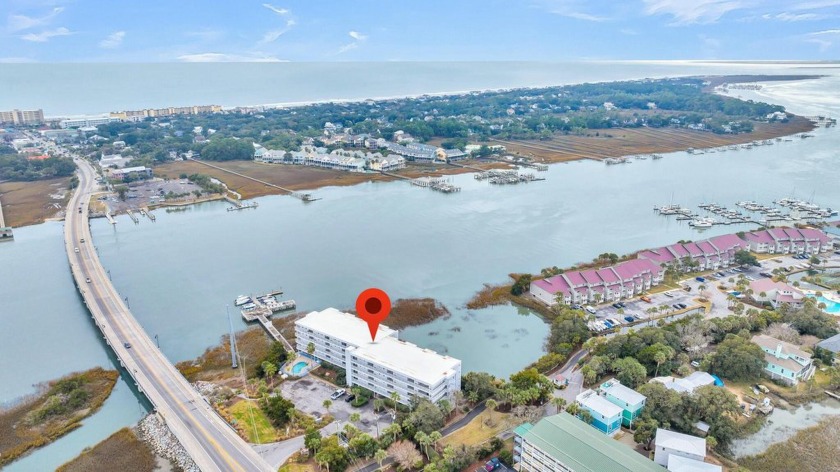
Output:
[[242, 300]]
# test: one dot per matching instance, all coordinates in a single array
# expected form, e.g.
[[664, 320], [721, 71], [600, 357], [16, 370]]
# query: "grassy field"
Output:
[[480, 429], [120, 451], [29, 203], [251, 421], [59, 409], [599, 144], [814, 449]]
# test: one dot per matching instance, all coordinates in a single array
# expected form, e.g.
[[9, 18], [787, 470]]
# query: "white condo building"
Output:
[[383, 366]]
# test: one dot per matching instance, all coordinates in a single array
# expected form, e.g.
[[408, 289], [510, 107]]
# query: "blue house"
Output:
[[785, 361], [605, 416], [630, 401]]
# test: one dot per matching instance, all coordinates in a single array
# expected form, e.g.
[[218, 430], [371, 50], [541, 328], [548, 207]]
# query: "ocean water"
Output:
[[72, 89], [180, 272]]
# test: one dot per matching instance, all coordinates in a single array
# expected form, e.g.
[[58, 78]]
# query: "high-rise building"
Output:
[[22, 117]]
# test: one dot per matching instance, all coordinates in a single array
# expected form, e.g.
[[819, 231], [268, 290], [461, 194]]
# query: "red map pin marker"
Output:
[[373, 306]]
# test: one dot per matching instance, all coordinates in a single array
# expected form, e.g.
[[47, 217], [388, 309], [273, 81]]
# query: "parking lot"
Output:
[[637, 308], [308, 395]]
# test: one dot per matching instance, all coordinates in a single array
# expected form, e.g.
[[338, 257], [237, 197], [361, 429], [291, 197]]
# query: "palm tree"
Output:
[[354, 418], [310, 348], [491, 405], [434, 437], [395, 397], [394, 428], [559, 402], [379, 456], [327, 404], [573, 409], [423, 440], [270, 369]]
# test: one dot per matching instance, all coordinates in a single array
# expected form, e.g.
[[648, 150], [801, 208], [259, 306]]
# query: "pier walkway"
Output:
[[5, 232], [306, 197], [207, 438]]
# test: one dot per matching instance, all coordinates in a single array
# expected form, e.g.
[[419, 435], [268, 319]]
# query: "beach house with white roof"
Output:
[[671, 443], [606, 416], [630, 401]]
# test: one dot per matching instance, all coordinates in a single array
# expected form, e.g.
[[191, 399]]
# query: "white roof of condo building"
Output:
[[343, 326], [422, 364]]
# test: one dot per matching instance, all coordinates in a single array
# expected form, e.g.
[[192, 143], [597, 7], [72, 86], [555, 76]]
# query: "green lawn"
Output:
[[251, 419]]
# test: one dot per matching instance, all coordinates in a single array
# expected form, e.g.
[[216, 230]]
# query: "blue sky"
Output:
[[392, 30]]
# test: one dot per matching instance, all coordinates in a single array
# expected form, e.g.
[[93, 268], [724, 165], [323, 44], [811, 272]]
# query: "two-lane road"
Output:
[[207, 438]]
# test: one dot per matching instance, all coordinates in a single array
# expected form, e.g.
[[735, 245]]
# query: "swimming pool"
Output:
[[830, 306], [299, 367]]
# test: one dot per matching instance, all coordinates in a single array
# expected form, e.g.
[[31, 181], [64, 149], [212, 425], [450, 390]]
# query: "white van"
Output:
[[589, 309]]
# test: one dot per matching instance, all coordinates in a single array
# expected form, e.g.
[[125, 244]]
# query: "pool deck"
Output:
[[289, 368]]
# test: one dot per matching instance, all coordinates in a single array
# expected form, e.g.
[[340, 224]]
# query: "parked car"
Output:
[[350, 398], [87, 280], [637, 316], [492, 464], [683, 306], [695, 364], [645, 298], [589, 309], [677, 306], [669, 294], [576, 307], [608, 324], [616, 305], [700, 279], [765, 274], [127, 345], [629, 319], [337, 394]]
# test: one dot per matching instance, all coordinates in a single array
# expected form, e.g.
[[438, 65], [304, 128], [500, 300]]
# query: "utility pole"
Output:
[[127, 304], [232, 339]]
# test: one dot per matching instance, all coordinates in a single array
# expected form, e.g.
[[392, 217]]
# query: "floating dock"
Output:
[[439, 184], [506, 177], [260, 308]]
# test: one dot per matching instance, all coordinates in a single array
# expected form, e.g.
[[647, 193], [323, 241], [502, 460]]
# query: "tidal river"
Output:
[[180, 272]]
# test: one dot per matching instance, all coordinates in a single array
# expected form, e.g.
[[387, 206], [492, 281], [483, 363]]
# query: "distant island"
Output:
[[413, 137]]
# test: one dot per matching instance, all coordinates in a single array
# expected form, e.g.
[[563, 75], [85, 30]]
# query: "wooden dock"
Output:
[[133, 216], [110, 217], [145, 212]]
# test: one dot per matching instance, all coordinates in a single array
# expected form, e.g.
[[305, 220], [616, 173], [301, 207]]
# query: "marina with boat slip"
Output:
[[782, 212]]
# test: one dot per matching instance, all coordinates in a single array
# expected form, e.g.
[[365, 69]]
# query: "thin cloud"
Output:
[[23, 22], [687, 12], [113, 40], [45, 36], [574, 9], [278, 10], [222, 57], [271, 36], [358, 38], [205, 34], [823, 32]]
